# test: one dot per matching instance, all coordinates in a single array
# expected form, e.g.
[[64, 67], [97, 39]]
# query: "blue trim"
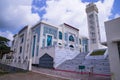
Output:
[[34, 39], [36, 30], [50, 30]]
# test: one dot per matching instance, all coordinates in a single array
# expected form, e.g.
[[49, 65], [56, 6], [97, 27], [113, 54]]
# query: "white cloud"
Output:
[[73, 12], [105, 9], [7, 34], [16, 14]]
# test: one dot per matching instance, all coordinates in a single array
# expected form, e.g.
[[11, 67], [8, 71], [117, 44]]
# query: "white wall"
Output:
[[113, 35]]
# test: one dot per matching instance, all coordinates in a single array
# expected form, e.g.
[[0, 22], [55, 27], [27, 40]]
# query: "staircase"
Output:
[[100, 66], [73, 63], [64, 54]]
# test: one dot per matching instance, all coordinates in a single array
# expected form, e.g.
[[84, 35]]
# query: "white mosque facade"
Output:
[[55, 43]]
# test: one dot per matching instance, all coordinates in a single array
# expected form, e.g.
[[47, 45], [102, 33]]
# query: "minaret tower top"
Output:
[[91, 7]]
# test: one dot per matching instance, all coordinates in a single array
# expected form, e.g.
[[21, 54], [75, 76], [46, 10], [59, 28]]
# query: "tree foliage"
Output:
[[4, 48]]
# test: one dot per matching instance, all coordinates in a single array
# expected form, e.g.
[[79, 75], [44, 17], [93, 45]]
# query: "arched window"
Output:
[[60, 35], [59, 43], [71, 46], [71, 38]]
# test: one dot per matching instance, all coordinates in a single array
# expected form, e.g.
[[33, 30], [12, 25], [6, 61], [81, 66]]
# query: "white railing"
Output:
[[23, 64]]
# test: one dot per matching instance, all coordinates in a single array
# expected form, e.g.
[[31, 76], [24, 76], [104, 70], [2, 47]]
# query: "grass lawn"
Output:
[[98, 52]]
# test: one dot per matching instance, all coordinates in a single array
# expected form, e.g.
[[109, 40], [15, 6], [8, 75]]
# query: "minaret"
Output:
[[93, 26]]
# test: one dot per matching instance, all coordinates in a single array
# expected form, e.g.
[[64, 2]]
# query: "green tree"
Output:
[[4, 47]]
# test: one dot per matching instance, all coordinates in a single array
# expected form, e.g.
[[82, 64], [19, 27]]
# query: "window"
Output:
[[79, 41], [34, 39], [71, 46], [92, 34], [60, 35], [59, 43], [92, 28], [71, 38], [86, 48], [49, 40], [91, 21], [91, 16], [20, 49], [93, 41], [22, 38]]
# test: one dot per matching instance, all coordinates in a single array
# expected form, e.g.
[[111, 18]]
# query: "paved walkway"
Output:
[[28, 76], [69, 75]]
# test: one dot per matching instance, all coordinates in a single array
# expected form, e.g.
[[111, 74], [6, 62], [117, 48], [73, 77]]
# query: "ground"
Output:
[[49, 74], [28, 76]]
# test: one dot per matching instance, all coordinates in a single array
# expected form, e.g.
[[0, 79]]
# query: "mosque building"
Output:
[[60, 47]]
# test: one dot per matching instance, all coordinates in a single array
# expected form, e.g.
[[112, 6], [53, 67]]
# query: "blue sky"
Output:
[[15, 14], [116, 8]]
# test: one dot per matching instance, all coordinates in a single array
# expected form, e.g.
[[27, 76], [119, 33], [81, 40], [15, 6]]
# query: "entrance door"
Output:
[[46, 61]]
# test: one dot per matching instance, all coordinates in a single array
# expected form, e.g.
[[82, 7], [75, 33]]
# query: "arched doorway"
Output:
[[46, 61]]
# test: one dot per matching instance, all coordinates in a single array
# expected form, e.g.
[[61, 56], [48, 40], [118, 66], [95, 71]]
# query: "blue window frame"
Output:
[[34, 39], [21, 49], [71, 38], [22, 38], [49, 40], [60, 35], [79, 41]]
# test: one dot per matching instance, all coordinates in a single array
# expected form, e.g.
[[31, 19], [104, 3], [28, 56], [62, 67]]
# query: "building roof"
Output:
[[116, 40], [14, 35], [71, 26], [43, 22], [23, 29], [112, 20]]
